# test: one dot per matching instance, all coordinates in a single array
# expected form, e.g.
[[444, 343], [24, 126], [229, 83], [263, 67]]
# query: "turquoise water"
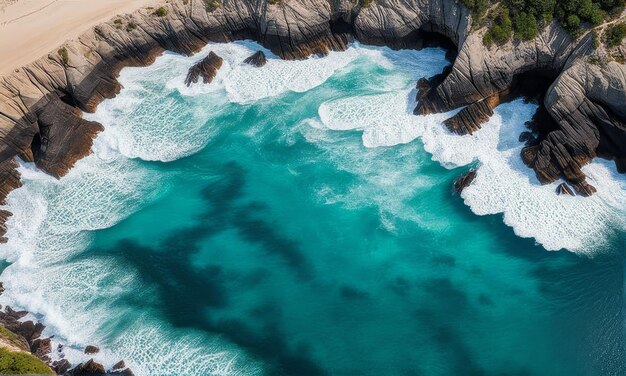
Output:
[[297, 220]]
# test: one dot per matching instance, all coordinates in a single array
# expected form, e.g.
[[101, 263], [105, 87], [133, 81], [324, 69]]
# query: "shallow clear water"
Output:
[[297, 219]]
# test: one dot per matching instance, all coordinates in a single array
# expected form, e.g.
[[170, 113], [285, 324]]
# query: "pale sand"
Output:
[[30, 29]]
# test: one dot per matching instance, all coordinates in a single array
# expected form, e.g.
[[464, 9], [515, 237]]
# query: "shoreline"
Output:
[[43, 100]]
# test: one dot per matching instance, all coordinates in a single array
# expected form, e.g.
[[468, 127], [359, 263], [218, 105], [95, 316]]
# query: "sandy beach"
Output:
[[29, 29]]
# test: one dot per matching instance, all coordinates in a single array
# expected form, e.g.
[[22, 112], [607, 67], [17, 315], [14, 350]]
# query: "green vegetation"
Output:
[[365, 3], [161, 12], [273, 2], [212, 5], [118, 21], [9, 337], [131, 26], [615, 34], [501, 29], [20, 363], [64, 55], [528, 17]]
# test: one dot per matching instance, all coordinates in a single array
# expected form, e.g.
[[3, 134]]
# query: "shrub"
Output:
[[525, 26], [161, 12], [212, 5], [118, 21], [365, 3], [487, 39], [573, 23], [501, 29], [131, 26], [615, 34], [596, 40], [20, 363], [64, 55], [572, 14]]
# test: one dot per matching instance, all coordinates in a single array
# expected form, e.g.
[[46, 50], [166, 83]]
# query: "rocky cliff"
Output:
[[41, 103]]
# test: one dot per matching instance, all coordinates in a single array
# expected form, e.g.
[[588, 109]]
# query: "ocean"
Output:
[[298, 219]]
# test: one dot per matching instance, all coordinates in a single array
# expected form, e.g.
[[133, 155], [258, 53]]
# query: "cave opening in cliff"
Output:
[[533, 86]]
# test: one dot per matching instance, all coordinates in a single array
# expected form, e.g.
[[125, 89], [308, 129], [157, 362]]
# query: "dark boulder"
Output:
[[41, 348], [526, 137], [206, 68], [257, 59], [119, 365], [91, 350], [60, 367], [464, 181], [564, 189], [471, 118], [89, 368], [584, 189]]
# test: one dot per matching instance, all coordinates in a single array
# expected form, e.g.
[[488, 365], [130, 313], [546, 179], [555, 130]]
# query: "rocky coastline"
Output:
[[581, 91], [18, 334], [41, 103]]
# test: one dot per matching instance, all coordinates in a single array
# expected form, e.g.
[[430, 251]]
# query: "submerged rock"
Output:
[[464, 181], [257, 59], [526, 137], [206, 68]]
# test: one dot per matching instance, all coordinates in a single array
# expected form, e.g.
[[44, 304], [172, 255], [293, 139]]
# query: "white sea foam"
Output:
[[53, 219], [504, 184], [73, 295]]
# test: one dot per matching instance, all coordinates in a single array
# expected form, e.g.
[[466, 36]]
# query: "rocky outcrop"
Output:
[[89, 368], [469, 119], [587, 103], [60, 367], [464, 181], [39, 103], [564, 189], [583, 100], [206, 68], [90, 349], [257, 59]]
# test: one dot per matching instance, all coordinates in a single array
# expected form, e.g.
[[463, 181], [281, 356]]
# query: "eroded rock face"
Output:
[[588, 104], [39, 120], [64, 137], [257, 59], [469, 119], [41, 348], [206, 68]]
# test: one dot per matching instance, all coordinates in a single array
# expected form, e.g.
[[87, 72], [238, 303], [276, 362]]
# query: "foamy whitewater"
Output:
[[62, 270]]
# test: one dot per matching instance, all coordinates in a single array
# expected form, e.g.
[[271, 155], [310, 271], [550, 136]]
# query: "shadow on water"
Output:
[[188, 295]]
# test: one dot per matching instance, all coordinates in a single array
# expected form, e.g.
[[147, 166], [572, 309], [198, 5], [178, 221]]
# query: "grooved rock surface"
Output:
[[257, 59], [39, 103], [206, 68]]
